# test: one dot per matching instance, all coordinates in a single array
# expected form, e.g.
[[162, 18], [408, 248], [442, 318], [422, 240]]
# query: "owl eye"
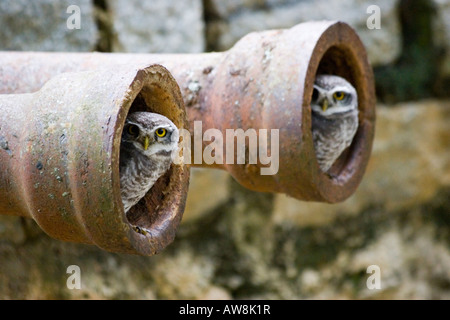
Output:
[[339, 95], [161, 132], [133, 130]]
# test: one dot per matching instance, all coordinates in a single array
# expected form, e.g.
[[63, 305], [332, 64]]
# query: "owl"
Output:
[[334, 107], [148, 147]]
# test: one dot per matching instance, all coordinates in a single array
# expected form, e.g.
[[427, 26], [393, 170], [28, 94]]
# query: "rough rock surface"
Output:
[[410, 158], [232, 242], [42, 26], [206, 198], [157, 26], [255, 245], [237, 18]]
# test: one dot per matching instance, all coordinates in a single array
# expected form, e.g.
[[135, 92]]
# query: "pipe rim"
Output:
[[340, 39], [150, 82]]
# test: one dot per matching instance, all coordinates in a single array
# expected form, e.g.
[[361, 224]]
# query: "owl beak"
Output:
[[325, 105], [146, 143]]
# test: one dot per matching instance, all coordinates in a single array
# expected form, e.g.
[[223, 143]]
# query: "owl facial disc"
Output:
[[333, 95]]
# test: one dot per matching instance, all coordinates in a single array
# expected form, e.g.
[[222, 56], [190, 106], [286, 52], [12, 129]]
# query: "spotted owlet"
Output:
[[148, 147], [334, 106]]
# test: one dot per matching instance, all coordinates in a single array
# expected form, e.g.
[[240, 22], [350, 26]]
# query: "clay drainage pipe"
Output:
[[264, 82], [59, 158]]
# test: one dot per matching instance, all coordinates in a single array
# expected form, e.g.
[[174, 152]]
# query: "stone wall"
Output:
[[235, 243]]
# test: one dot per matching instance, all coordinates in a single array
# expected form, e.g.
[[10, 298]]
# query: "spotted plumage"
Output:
[[334, 106], [148, 147]]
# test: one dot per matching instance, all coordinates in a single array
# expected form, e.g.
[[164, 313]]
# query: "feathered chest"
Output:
[[340, 128], [138, 173], [332, 136]]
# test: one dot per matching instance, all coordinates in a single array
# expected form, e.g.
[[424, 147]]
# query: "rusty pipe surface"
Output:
[[59, 158], [264, 82]]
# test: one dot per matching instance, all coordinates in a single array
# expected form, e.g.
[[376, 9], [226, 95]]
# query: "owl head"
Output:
[[150, 134], [333, 95]]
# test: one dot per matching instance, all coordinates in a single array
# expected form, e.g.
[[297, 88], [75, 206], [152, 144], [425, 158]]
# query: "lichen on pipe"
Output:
[[264, 82], [59, 158]]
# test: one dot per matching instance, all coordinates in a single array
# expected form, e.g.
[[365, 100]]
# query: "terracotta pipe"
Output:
[[264, 82], [59, 158]]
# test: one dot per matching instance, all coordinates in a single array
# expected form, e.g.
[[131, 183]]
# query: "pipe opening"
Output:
[[156, 207], [340, 61]]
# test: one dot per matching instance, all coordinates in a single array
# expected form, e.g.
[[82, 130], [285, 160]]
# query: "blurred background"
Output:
[[237, 244]]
